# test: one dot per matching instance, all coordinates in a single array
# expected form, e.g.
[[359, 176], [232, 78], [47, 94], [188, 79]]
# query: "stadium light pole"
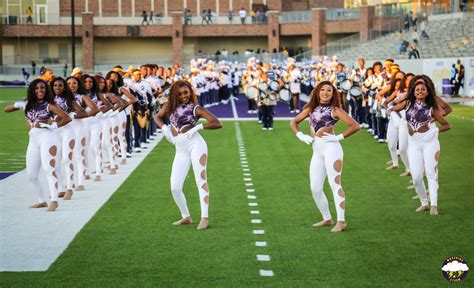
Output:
[[73, 36]]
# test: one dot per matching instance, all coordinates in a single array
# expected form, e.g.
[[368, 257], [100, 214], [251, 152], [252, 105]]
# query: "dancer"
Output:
[[423, 144], [191, 149], [43, 144], [324, 110]]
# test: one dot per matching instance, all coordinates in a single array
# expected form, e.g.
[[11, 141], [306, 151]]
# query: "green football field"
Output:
[[130, 242]]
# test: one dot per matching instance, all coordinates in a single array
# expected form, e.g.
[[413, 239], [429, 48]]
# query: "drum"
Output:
[[263, 86], [355, 91], [346, 85], [272, 97], [274, 85], [356, 79], [252, 92], [284, 95]]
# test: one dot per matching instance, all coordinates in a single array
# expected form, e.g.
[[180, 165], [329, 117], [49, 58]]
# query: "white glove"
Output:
[[431, 134], [20, 105], [168, 134], [72, 115], [305, 138], [332, 138], [191, 132], [54, 125], [99, 115]]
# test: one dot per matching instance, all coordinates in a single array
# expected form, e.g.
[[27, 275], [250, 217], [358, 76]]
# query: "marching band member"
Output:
[[191, 149], [43, 144], [295, 87], [424, 148], [267, 102], [324, 110], [250, 79]]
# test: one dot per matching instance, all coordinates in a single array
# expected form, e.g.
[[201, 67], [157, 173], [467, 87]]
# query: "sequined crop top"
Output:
[[39, 113], [62, 104], [184, 115], [418, 115], [321, 117]]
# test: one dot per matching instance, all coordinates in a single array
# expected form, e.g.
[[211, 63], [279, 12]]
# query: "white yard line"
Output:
[[32, 239], [253, 203]]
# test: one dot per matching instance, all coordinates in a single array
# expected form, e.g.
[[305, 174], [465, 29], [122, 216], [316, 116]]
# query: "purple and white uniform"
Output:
[[322, 117], [39, 113], [189, 152], [418, 115], [326, 161], [62, 104], [184, 115]]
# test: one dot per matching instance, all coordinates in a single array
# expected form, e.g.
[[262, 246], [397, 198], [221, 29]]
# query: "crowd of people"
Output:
[[117, 114]]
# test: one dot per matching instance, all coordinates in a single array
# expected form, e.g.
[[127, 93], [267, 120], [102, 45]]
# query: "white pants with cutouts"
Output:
[[43, 152], [122, 119], [190, 152], [107, 140], [327, 161], [80, 149], [96, 144], [397, 133], [67, 145], [424, 156]]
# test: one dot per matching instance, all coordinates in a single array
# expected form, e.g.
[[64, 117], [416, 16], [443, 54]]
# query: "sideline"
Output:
[[32, 239]]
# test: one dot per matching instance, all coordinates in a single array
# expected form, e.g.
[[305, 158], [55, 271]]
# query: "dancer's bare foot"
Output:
[[39, 205], [113, 171], [434, 210], [340, 226], [80, 188], [123, 162], [185, 220], [392, 167], [324, 223], [423, 208], [53, 206], [406, 173], [87, 177], [203, 224], [68, 195], [61, 194], [98, 178]]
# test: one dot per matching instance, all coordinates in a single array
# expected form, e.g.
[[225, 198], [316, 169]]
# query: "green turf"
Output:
[[130, 242], [14, 135]]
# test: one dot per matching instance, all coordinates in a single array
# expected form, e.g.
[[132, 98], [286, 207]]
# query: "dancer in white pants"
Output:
[[191, 149], [423, 144], [324, 110], [96, 124], [64, 99], [82, 131], [43, 144]]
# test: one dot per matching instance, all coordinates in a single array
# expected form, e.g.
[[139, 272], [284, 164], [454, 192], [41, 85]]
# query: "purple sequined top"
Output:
[[419, 114], [79, 101], [321, 117], [39, 113], [95, 99], [62, 104], [184, 115]]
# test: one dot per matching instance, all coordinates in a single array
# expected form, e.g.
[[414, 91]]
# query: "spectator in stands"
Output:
[[275, 51], [414, 37], [414, 19], [26, 75], [413, 52], [224, 53], [204, 17], [242, 15], [29, 15], [459, 77], [452, 79], [145, 18], [41, 72], [284, 51], [217, 54], [252, 16], [150, 19], [65, 70], [462, 6], [406, 22], [185, 16], [209, 16], [424, 35], [33, 67], [230, 15]]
